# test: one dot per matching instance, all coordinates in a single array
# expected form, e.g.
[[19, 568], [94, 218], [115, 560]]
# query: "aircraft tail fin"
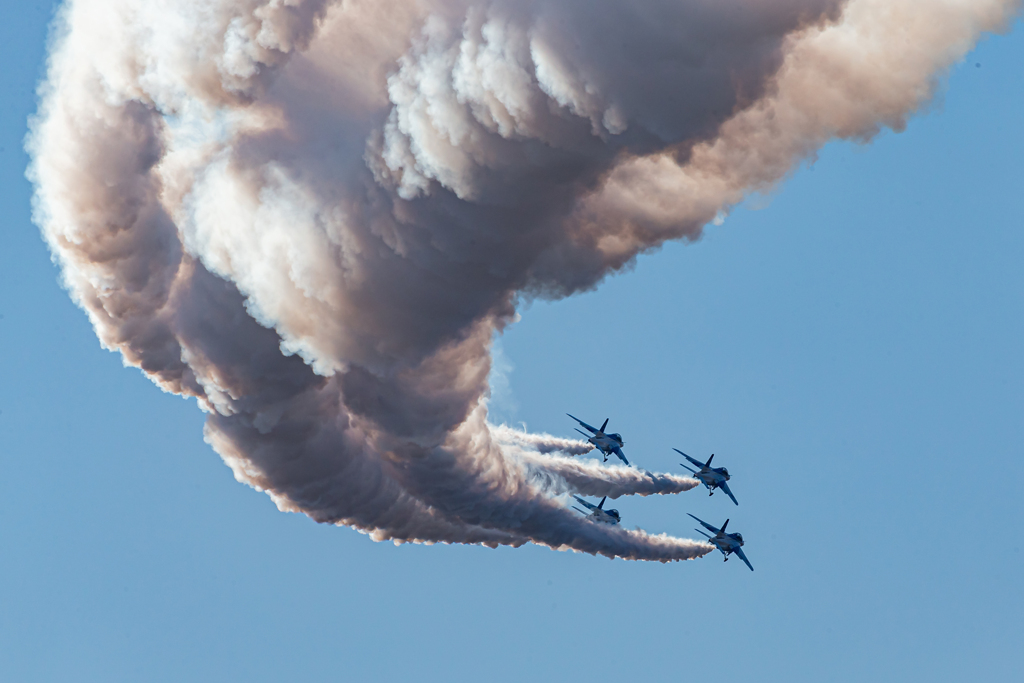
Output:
[[600, 506], [708, 463], [722, 530], [605, 424]]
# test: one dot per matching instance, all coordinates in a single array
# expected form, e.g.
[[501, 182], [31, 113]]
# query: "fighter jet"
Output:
[[606, 443], [712, 477], [598, 513], [727, 543]]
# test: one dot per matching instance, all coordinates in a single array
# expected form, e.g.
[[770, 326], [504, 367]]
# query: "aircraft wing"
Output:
[[593, 430], [622, 456], [589, 506], [704, 524], [693, 462], [725, 487], [739, 551]]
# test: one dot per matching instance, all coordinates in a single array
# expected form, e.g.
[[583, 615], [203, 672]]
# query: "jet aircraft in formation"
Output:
[[598, 513], [727, 543], [712, 477], [606, 443]]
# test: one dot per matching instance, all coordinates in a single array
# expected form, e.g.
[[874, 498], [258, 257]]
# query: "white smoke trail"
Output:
[[557, 474], [878, 64], [313, 216], [542, 443], [592, 478]]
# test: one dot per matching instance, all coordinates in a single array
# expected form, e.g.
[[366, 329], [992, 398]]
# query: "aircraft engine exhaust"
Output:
[[313, 216]]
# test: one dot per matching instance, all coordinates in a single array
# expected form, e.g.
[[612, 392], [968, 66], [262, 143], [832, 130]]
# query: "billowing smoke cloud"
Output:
[[314, 216]]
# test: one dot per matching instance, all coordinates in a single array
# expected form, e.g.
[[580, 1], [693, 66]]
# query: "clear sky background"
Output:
[[850, 347]]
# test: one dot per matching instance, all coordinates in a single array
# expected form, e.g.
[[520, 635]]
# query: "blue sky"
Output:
[[851, 350]]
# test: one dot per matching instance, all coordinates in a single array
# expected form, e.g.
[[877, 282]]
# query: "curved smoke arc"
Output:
[[313, 216]]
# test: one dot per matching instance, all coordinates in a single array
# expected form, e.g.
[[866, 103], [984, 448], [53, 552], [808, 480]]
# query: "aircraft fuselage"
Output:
[[604, 443], [603, 517], [711, 478], [727, 544]]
